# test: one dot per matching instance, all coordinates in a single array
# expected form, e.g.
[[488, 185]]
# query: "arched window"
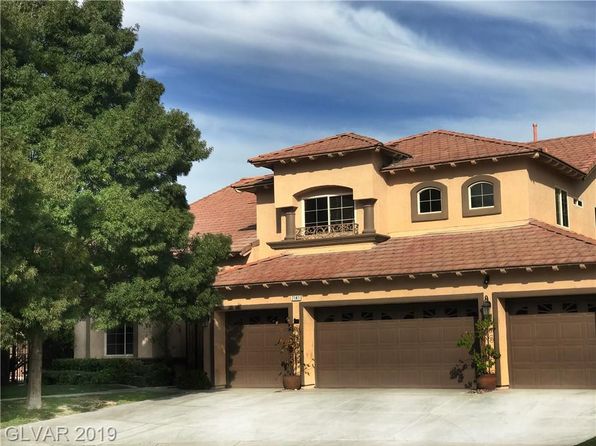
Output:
[[481, 195], [429, 200]]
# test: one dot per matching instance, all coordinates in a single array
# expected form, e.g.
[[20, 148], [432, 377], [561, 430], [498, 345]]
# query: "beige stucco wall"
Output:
[[513, 284], [512, 174], [527, 191], [543, 181]]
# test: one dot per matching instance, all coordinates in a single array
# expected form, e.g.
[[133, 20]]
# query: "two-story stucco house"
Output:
[[384, 254]]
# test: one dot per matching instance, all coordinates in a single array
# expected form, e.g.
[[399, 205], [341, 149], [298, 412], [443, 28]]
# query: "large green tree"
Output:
[[93, 219]]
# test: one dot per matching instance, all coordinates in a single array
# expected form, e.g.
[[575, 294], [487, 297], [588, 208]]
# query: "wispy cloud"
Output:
[[305, 36], [561, 15], [259, 76]]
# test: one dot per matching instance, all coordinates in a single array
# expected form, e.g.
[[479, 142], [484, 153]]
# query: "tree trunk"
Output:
[[34, 374]]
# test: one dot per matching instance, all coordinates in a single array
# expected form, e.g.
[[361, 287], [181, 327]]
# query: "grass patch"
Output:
[[20, 390], [590, 442], [15, 412]]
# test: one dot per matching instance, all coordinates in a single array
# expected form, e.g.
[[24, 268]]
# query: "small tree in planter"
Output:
[[291, 363], [482, 353]]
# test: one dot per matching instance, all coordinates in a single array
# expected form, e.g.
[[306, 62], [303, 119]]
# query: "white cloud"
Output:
[[235, 139], [562, 16], [329, 37]]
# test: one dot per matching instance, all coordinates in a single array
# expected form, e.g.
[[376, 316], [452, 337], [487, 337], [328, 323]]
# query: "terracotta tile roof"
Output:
[[344, 142], [443, 146], [251, 182], [229, 212], [578, 151], [531, 245]]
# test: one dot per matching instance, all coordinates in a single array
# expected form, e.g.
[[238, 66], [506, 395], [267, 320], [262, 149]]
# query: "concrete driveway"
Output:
[[343, 417]]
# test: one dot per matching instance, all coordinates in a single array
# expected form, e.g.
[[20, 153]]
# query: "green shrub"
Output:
[[77, 377], [127, 371], [193, 379]]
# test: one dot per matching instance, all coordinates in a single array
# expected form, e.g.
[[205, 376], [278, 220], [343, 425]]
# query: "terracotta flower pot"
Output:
[[487, 381], [292, 382]]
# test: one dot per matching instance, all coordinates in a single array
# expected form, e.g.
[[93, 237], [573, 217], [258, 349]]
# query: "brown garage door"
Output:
[[552, 342], [253, 358], [393, 345]]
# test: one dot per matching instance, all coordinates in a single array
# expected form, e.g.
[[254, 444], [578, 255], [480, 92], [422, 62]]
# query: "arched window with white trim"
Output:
[[481, 195], [429, 200]]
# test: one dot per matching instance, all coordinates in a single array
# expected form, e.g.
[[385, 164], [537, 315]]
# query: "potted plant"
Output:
[[291, 363], [482, 353]]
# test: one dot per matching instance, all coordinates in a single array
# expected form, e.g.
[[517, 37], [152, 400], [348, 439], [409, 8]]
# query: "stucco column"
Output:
[[308, 345], [500, 320], [368, 206], [290, 216], [219, 349]]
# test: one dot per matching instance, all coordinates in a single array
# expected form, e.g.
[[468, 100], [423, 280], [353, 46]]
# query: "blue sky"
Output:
[[257, 77]]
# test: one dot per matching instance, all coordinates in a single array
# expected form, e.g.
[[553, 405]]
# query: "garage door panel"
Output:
[[571, 330], [393, 352], [253, 356], [550, 347]]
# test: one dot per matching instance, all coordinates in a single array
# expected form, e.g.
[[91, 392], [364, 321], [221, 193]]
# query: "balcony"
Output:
[[327, 231]]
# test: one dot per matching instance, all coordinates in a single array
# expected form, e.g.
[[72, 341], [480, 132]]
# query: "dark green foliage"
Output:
[[193, 380], [94, 221], [109, 371], [478, 345]]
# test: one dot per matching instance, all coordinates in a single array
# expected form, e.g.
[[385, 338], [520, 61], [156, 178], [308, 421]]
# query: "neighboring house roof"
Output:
[[534, 244], [443, 146], [229, 212], [342, 143], [578, 151]]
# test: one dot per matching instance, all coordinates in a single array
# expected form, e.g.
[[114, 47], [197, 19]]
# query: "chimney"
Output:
[[535, 131]]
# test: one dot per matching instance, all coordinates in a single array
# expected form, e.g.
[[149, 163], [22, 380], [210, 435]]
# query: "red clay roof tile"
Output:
[[344, 142], [443, 146], [531, 245], [229, 212], [578, 151]]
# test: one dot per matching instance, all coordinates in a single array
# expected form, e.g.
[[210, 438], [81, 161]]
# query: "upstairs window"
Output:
[[328, 210], [119, 340], [429, 200], [561, 207], [481, 195]]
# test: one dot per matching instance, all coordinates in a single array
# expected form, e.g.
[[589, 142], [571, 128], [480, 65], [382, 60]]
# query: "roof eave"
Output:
[[412, 275], [561, 165], [269, 163]]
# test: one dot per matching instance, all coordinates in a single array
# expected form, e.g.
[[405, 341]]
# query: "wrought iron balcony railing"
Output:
[[327, 231]]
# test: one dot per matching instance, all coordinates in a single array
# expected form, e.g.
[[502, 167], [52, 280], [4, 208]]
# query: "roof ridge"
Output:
[[296, 146], [560, 137], [486, 138], [563, 232], [416, 135], [469, 136]]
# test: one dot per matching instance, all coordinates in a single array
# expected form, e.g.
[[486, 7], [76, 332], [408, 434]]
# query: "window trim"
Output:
[[559, 202], [467, 209], [303, 205], [430, 200], [415, 205], [124, 355]]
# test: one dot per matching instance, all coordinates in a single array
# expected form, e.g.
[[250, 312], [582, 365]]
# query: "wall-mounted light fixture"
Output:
[[486, 308]]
